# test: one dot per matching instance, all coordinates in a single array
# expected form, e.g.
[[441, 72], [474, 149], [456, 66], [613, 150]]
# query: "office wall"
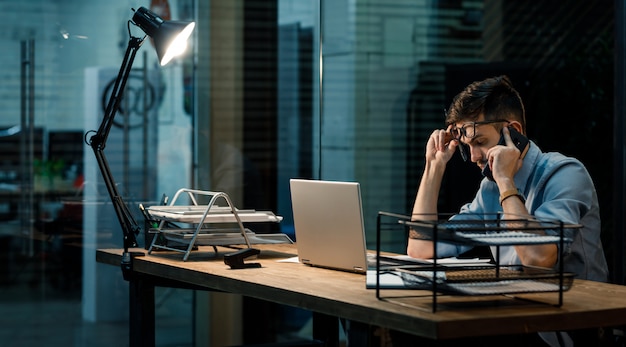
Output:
[[392, 67], [384, 90]]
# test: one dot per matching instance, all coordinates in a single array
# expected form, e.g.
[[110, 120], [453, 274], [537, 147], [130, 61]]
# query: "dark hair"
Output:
[[494, 97]]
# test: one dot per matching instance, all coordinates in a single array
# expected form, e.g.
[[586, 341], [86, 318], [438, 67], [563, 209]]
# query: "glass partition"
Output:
[[60, 61], [391, 68], [268, 91]]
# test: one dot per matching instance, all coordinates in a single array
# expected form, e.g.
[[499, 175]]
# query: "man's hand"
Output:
[[441, 146], [504, 161]]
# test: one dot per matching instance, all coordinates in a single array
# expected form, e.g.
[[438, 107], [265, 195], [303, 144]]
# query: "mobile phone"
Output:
[[520, 141]]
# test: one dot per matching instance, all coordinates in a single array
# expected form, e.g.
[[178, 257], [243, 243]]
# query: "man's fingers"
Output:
[[441, 139], [507, 137]]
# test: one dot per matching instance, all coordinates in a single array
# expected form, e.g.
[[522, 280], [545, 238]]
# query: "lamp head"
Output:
[[170, 37]]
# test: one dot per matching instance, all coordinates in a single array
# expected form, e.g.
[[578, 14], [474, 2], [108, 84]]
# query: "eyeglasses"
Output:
[[468, 130]]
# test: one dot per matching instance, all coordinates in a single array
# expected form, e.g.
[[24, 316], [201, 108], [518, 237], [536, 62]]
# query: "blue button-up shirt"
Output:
[[556, 188]]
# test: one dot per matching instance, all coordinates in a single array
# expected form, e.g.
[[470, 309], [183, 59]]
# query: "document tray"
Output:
[[188, 221], [212, 238], [191, 214], [484, 229], [488, 280], [491, 232]]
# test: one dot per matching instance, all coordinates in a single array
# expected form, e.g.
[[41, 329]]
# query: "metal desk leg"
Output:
[[141, 306]]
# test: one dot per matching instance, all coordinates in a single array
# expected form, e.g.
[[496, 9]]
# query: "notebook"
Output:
[[328, 221]]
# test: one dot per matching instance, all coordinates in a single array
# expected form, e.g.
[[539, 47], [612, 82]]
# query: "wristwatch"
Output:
[[509, 193]]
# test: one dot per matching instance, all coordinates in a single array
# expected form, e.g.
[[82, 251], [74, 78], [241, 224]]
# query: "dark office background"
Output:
[[382, 95]]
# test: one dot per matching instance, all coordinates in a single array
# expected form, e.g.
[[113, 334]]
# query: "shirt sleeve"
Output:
[[558, 201]]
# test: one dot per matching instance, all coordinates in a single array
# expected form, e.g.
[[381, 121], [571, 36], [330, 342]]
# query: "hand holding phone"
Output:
[[520, 141]]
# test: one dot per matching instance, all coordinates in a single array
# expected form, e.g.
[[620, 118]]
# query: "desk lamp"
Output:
[[170, 40]]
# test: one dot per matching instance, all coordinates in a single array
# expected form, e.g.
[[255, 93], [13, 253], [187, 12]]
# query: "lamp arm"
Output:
[[129, 225]]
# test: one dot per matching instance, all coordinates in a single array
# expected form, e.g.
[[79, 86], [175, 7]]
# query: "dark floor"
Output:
[[41, 293], [30, 317], [40, 301]]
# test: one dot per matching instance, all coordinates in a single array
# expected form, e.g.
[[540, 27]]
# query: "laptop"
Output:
[[328, 221]]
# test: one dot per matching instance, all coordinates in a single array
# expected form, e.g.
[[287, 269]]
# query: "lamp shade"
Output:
[[169, 37]]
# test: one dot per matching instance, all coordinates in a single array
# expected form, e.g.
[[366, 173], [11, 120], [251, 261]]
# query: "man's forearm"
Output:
[[425, 207], [428, 192]]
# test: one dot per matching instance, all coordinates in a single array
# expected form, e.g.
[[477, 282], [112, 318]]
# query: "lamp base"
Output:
[[236, 259]]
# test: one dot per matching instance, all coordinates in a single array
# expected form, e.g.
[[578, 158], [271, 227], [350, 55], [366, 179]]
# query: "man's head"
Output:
[[479, 112], [490, 99]]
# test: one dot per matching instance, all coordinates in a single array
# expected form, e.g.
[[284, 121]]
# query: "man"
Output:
[[526, 183]]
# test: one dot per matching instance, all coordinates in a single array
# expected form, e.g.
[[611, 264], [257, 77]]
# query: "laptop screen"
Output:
[[328, 222]]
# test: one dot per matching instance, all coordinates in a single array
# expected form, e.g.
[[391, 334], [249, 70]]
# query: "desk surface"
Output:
[[586, 305]]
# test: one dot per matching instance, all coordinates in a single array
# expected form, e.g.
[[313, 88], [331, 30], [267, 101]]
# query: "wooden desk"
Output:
[[340, 294]]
